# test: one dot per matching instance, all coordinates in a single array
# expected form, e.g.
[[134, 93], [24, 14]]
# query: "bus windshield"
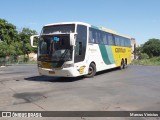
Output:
[[59, 29], [57, 48]]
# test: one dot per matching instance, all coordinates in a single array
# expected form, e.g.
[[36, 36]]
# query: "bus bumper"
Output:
[[65, 72]]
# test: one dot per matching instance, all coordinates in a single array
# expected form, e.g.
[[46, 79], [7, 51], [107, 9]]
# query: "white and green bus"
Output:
[[72, 49]]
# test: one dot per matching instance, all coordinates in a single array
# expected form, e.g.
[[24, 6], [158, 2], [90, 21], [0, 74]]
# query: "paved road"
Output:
[[136, 88]]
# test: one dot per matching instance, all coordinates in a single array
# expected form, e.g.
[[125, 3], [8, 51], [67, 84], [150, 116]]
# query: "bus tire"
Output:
[[91, 70], [123, 65], [126, 65]]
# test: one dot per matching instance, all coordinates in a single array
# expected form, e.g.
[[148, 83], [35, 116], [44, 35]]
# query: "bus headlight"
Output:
[[68, 65]]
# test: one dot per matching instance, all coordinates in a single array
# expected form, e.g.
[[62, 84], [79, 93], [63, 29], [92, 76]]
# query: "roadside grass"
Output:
[[151, 61], [28, 62]]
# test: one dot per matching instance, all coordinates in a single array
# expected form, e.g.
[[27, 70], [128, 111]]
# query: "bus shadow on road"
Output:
[[107, 71], [65, 79], [53, 79]]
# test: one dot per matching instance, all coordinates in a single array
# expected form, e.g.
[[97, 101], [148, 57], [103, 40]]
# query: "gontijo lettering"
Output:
[[120, 50]]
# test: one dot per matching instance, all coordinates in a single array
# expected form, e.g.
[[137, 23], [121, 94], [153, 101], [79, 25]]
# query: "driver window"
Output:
[[78, 49], [44, 47]]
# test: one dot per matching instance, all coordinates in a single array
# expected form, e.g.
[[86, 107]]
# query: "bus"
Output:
[[71, 49]]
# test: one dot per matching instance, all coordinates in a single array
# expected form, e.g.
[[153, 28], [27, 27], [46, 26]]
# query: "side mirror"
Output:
[[72, 39], [32, 39]]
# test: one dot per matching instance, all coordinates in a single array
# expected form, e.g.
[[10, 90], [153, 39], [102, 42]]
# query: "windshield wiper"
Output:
[[64, 54]]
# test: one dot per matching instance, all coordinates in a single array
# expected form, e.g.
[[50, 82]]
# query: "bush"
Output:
[[143, 56], [150, 61], [152, 47]]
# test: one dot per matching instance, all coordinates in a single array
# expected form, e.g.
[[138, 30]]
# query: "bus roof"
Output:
[[89, 25], [62, 23], [111, 31]]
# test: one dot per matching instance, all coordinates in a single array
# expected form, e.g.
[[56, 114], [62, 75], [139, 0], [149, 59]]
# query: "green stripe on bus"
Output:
[[110, 54], [104, 54]]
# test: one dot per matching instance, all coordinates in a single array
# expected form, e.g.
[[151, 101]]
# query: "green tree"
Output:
[[8, 32], [24, 36], [8, 36], [12, 43], [152, 47], [143, 56], [3, 50], [137, 51]]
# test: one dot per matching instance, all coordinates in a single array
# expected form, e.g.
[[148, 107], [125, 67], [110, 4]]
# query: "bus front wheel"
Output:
[[91, 70]]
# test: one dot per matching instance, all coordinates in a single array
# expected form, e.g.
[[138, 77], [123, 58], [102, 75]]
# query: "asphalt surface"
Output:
[[136, 88]]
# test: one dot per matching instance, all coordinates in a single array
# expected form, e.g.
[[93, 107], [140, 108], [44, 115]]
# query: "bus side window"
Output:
[[128, 42], [97, 36], [117, 40], [91, 39], [122, 41], [101, 37], [104, 38], [110, 39], [94, 36]]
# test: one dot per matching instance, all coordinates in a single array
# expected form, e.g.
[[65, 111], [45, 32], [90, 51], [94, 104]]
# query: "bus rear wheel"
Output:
[[91, 70], [123, 65]]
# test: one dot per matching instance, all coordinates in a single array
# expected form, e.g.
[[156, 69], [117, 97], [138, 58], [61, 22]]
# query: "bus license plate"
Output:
[[51, 72]]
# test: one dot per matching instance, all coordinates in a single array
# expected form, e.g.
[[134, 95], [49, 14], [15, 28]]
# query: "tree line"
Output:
[[150, 49], [13, 42]]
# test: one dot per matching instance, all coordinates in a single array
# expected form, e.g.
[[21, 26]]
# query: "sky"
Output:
[[139, 19]]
